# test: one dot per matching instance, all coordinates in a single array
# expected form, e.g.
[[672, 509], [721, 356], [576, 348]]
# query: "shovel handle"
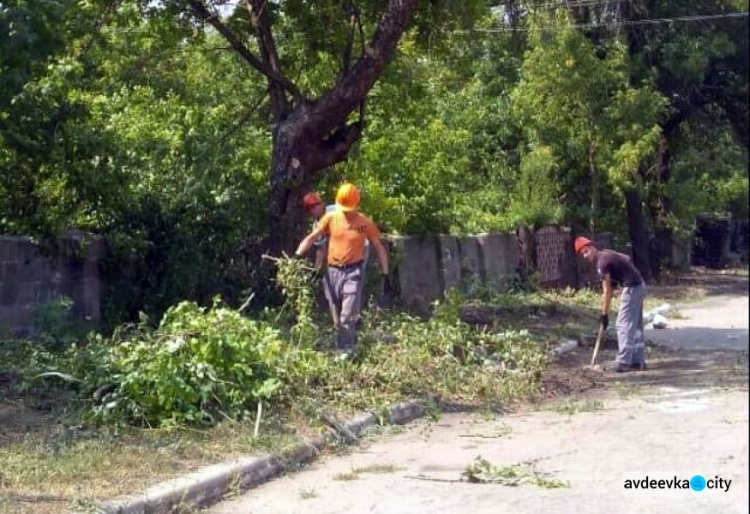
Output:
[[598, 342]]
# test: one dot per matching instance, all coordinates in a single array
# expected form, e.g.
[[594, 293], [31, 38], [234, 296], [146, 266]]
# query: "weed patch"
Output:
[[346, 476], [483, 472], [575, 406], [356, 472], [307, 494], [376, 469]]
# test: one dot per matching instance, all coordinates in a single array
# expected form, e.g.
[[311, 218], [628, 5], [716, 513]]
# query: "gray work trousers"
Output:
[[343, 289], [631, 340]]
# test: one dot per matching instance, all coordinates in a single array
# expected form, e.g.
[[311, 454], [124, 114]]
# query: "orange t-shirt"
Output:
[[347, 232]]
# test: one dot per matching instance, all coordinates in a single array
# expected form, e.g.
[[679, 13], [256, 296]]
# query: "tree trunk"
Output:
[[527, 250], [662, 241], [289, 181], [309, 134], [638, 233], [594, 190], [316, 135]]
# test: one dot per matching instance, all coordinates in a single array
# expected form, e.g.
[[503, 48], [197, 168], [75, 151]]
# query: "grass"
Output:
[[107, 463], [504, 430], [376, 469], [346, 476], [571, 407], [356, 472], [307, 494], [93, 464], [626, 391]]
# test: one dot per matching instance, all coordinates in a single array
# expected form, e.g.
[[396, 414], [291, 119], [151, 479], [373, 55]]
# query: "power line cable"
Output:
[[652, 21]]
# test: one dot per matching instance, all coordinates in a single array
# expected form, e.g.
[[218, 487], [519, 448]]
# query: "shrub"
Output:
[[199, 365]]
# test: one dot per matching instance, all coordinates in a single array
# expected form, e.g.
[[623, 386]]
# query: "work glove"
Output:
[[604, 321], [386, 292]]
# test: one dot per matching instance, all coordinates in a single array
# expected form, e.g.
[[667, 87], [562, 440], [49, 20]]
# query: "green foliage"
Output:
[[707, 177], [585, 122], [442, 356], [200, 365], [54, 324], [536, 199], [296, 279], [129, 120]]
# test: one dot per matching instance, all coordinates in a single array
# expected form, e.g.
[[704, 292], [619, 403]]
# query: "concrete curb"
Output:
[[210, 484]]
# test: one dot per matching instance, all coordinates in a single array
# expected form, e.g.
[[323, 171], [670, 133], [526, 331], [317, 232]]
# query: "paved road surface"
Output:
[[720, 322], [686, 415]]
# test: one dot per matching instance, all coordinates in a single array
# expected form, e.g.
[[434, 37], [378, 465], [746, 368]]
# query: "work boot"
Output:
[[617, 367]]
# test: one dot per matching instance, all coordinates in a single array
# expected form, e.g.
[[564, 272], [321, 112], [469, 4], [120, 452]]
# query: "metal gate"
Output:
[[553, 252]]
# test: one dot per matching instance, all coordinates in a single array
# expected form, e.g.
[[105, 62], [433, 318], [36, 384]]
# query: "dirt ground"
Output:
[[588, 431]]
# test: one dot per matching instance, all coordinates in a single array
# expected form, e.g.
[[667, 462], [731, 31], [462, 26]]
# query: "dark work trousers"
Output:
[[631, 340], [343, 289]]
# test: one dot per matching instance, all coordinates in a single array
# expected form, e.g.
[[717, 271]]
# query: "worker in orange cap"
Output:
[[616, 268], [347, 230], [314, 207]]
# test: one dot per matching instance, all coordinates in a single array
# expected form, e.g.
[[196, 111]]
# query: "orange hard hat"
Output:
[[347, 197], [581, 243], [310, 200]]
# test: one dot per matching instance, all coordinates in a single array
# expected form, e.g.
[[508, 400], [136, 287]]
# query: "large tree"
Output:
[[700, 63], [589, 127], [312, 131]]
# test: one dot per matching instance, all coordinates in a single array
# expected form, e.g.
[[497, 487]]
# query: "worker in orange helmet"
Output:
[[617, 268], [314, 207], [347, 231]]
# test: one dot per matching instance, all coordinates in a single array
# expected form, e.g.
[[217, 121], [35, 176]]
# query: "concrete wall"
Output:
[[424, 268], [32, 275], [417, 269]]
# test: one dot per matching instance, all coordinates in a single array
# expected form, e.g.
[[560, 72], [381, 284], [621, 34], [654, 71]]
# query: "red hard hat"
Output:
[[581, 243], [310, 200]]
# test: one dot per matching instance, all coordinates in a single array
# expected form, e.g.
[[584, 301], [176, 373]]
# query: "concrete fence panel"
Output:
[[32, 275], [417, 270], [500, 257], [450, 262]]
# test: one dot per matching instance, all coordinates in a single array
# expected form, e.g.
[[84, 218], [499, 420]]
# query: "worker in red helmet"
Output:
[[618, 269], [314, 207], [347, 231]]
